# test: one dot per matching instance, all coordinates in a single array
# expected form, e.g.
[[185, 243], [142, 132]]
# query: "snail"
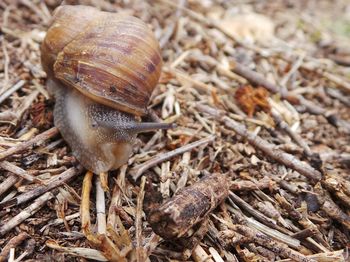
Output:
[[101, 68]]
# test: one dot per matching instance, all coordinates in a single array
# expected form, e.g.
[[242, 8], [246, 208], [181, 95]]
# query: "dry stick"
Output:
[[199, 254], [104, 181], [265, 241], [85, 210], [27, 212], [11, 90], [39, 190], [8, 183], [305, 233], [100, 207], [14, 242], [337, 186], [32, 6], [8, 116], [19, 172], [304, 222], [246, 185], [255, 213], [341, 83], [296, 137], [59, 221], [338, 95], [250, 75], [203, 19], [23, 146], [138, 221], [335, 256], [268, 148], [78, 251], [6, 65], [151, 245], [137, 171], [333, 210], [290, 241], [257, 79], [85, 204]]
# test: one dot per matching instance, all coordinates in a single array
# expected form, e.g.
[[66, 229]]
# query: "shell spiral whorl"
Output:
[[113, 59]]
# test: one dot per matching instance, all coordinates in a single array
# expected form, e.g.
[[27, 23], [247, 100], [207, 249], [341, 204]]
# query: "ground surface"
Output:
[[279, 140]]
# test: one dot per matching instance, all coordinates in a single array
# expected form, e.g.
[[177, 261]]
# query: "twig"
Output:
[[269, 149], [85, 204], [12, 255], [338, 95], [35, 140], [19, 172], [255, 213], [335, 256], [6, 64], [8, 116], [36, 10], [137, 171], [199, 255], [138, 222], [284, 126], [254, 78], [341, 83], [58, 221], [8, 183], [14, 242], [255, 236], [100, 208], [26, 213], [290, 241], [78, 251], [11, 90], [39, 190], [250, 185], [259, 80], [331, 208], [321, 244], [295, 68]]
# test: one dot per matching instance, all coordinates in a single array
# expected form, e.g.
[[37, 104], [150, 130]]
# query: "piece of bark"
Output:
[[190, 206]]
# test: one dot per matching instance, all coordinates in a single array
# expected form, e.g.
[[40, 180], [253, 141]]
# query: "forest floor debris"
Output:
[[264, 105]]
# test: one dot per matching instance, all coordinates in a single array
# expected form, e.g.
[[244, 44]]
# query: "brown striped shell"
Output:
[[113, 59]]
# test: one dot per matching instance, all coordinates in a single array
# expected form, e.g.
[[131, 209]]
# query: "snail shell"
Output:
[[102, 68], [113, 59]]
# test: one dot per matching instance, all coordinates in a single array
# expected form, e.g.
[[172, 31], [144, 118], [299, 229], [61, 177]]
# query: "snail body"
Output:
[[102, 68]]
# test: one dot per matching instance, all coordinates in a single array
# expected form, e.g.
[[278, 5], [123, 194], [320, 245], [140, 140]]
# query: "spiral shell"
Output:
[[113, 59]]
